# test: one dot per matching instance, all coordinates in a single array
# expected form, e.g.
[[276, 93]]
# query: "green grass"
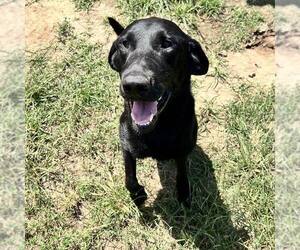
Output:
[[85, 5], [75, 195], [211, 7], [185, 12], [239, 27], [74, 166], [248, 163], [65, 31], [237, 23], [287, 159], [71, 118], [12, 137]]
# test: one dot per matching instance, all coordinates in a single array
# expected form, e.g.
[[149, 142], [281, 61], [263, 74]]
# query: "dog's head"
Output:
[[155, 60]]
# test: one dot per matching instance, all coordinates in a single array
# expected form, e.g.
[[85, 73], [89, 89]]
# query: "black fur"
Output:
[[153, 56]]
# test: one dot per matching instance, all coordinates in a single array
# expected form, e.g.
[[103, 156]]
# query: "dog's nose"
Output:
[[135, 86]]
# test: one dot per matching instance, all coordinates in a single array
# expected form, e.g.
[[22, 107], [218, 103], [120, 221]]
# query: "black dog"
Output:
[[155, 60]]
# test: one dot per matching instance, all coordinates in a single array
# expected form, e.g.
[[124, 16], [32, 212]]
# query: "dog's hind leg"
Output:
[[137, 192], [182, 182]]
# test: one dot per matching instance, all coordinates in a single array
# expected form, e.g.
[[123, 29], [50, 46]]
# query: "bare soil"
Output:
[[43, 17]]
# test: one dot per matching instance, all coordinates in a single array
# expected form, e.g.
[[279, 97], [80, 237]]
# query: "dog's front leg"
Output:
[[137, 192], [182, 182]]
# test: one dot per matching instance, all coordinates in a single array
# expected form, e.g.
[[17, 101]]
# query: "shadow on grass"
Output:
[[287, 2], [208, 223], [261, 2]]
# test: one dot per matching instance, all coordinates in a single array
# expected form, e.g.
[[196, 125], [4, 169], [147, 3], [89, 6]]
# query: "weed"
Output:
[[65, 31], [211, 7], [84, 4], [30, 2]]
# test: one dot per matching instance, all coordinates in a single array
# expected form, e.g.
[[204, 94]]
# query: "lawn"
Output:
[[75, 194]]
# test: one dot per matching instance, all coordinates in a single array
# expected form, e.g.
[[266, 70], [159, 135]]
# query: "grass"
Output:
[[75, 195], [85, 5], [12, 136], [287, 174], [240, 25], [237, 23], [249, 162], [211, 7], [80, 5], [185, 12], [65, 31]]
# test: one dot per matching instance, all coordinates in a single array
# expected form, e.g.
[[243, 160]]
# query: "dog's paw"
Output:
[[186, 202], [139, 196], [184, 196]]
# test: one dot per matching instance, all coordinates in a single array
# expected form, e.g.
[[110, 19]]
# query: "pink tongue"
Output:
[[143, 112]]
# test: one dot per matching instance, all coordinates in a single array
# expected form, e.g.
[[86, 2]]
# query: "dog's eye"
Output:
[[125, 43], [166, 43]]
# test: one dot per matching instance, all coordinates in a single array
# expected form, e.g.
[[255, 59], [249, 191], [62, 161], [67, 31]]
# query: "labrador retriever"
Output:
[[155, 60]]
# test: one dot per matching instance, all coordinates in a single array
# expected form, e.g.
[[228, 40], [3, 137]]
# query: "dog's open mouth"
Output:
[[144, 112]]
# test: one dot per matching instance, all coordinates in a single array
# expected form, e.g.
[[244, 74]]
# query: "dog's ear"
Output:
[[117, 27], [198, 61], [113, 57]]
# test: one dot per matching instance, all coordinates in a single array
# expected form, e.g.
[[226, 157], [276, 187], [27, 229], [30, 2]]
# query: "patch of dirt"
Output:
[[11, 36], [287, 28], [287, 49], [113, 245], [150, 179], [264, 36], [212, 94], [213, 139], [208, 30], [43, 17], [207, 90], [288, 68], [62, 195], [255, 65], [76, 166]]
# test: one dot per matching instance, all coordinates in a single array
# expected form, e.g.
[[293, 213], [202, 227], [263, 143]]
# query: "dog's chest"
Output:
[[161, 144], [173, 136]]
